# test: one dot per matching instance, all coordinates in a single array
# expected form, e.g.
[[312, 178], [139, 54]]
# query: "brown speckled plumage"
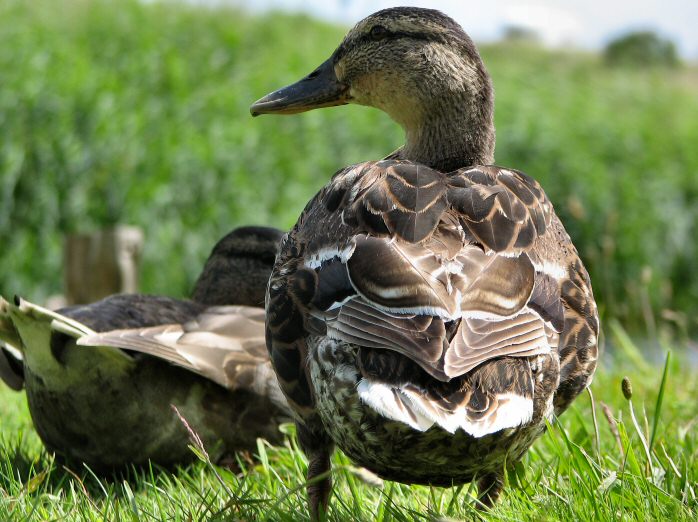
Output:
[[428, 312]]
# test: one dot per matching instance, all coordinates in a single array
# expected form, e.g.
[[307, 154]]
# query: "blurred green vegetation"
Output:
[[138, 113], [643, 49]]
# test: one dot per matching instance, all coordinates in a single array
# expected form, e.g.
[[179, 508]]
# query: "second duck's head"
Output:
[[418, 66], [238, 269]]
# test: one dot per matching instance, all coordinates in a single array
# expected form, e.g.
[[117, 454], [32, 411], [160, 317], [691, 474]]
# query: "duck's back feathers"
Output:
[[454, 272], [504, 209], [123, 311]]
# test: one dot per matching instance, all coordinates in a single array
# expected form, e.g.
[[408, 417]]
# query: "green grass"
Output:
[[138, 113], [566, 476]]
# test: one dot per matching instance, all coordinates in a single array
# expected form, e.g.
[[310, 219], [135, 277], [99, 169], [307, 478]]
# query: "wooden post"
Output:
[[101, 263]]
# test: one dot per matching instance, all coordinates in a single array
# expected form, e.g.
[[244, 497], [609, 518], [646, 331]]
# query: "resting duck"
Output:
[[101, 378], [428, 312]]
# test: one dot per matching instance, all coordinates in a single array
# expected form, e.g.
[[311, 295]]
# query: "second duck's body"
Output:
[[102, 379]]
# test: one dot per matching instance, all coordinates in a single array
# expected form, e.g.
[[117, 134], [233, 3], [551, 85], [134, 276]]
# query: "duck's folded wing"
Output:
[[448, 316], [224, 344], [472, 334]]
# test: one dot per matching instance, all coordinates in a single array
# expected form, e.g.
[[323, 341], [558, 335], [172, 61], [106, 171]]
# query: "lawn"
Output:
[[594, 464]]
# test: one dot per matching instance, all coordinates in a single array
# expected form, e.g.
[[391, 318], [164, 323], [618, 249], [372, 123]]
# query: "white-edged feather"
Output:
[[14, 351], [8, 375], [389, 402], [315, 259], [414, 409]]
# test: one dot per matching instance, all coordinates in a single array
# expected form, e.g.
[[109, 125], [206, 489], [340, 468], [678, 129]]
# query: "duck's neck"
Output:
[[453, 132]]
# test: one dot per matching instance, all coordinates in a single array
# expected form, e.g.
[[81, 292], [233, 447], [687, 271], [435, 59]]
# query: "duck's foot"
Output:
[[489, 488], [318, 447], [319, 488]]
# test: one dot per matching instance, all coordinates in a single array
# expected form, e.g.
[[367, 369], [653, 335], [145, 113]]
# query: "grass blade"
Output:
[[660, 399]]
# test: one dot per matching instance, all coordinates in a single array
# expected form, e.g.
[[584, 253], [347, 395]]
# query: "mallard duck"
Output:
[[428, 312], [101, 378]]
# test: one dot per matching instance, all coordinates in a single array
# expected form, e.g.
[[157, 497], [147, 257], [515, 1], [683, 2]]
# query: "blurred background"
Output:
[[136, 113]]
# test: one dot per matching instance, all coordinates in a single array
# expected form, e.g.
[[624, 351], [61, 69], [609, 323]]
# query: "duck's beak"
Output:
[[320, 88]]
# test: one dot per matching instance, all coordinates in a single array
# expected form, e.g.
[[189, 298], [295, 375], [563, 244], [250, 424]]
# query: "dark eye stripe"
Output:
[[366, 38], [393, 35], [414, 36]]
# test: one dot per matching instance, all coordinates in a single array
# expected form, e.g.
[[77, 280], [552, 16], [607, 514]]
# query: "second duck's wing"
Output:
[[224, 344]]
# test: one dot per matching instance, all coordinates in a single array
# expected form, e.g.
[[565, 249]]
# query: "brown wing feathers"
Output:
[[223, 343], [503, 209], [435, 271], [403, 200], [400, 277]]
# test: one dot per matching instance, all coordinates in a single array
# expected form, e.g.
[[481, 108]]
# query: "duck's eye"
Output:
[[378, 32]]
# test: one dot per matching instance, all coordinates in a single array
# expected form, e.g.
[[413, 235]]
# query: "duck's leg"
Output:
[[318, 446], [489, 488]]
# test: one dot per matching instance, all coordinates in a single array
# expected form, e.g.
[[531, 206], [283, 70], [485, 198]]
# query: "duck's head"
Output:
[[418, 66], [238, 269]]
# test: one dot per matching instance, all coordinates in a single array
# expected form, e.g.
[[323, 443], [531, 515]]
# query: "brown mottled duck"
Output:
[[101, 378], [428, 312]]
